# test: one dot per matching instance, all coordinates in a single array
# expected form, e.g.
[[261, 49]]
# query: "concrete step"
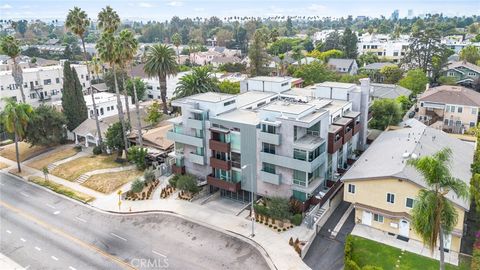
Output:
[[51, 167], [82, 178]]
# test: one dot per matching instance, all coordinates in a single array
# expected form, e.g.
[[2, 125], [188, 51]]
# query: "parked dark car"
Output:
[[411, 114]]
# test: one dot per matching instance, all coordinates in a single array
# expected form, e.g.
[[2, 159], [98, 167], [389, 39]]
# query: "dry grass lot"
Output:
[[108, 182], [8, 151], [3, 165], [23, 174], [73, 169], [61, 189], [52, 157]]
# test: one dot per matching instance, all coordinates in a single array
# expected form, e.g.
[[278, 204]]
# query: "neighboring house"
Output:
[[388, 91], [220, 60], [204, 58], [226, 52], [40, 84], [269, 84], [383, 188], [464, 73], [383, 46], [453, 109], [373, 71], [343, 66], [305, 61]]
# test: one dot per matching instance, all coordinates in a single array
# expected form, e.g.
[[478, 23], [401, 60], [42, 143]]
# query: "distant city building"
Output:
[[395, 15], [410, 14]]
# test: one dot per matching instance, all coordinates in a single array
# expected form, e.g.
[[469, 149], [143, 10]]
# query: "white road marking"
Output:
[[81, 219], [26, 267], [54, 258], [71, 268], [9, 232], [119, 237], [37, 248], [23, 240], [25, 194], [51, 206], [56, 212], [158, 253]]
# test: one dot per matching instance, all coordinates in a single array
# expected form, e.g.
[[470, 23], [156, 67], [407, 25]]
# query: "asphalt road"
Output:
[[41, 230]]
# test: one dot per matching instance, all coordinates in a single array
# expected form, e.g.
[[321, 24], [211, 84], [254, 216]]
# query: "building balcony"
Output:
[[356, 125], [348, 135], [269, 138], [291, 163], [270, 177], [194, 123], [356, 128], [197, 159], [220, 164], [219, 183], [219, 146], [178, 170], [335, 139], [185, 139]]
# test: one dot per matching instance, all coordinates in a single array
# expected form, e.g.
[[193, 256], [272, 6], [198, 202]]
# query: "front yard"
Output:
[[52, 157], [61, 189], [8, 151], [73, 169], [108, 182], [368, 252]]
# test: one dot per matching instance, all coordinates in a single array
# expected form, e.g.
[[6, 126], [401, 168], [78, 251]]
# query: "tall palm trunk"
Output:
[[120, 111], [17, 74], [442, 252], [163, 92], [137, 109], [126, 99], [95, 113], [17, 153]]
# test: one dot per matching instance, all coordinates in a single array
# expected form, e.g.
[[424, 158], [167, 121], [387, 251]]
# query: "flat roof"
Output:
[[336, 84], [351, 114], [270, 79], [308, 142], [334, 128], [210, 97], [252, 97], [287, 107], [343, 121], [240, 116]]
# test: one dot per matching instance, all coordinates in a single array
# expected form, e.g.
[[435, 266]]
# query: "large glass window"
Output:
[[301, 196], [268, 148], [269, 129], [267, 167], [299, 178], [199, 151], [235, 140], [197, 116], [314, 130], [299, 154], [222, 174], [316, 153], [236, 176], [236, 160]]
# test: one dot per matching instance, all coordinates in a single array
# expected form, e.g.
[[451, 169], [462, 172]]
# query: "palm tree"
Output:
[[433, 215], [108, 51], [97, 66], [15, 118], [177, 41], [199, 81], [78, 22], [10, 46], [161, 62]]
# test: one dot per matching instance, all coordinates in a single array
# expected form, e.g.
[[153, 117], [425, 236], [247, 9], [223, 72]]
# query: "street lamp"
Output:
[[252, 210]]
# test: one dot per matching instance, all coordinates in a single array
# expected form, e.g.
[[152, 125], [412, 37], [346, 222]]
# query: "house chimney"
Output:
[[365, 96]]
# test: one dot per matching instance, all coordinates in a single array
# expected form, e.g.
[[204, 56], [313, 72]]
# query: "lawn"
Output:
[[108, 182], [52, 157], [368, 252], [8, 151], [61, 189], [74, 168]]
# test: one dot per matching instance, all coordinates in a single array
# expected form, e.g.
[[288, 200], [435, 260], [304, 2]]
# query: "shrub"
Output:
[[78, 147], [279, 230], [351, 265], [137, 185], [296, 219], [278, 208], [187, 183], [97, 150], [137, 155], [348, 247], [290, 242], [149, 175], [173, 180], [260, 209]]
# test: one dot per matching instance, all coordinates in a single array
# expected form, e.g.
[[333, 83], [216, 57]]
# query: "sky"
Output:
[[164, 9]]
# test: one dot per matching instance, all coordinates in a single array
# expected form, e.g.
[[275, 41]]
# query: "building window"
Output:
[[447, 108], [269, 129], [351, 188], [452, 108], [460, 109], [267, 167], [299, 178], [299, 154], [474, 111], [101, 111], [47, 82], [378, 218], [229, 103], [409, 203], [445, 122], [390, 197], [268, 148], [472, 124], [57, 80]]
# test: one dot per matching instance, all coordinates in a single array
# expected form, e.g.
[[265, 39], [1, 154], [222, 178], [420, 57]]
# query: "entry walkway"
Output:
[[413, 246]]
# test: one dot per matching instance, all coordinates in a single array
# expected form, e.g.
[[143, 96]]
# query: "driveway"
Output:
[[326, 253]]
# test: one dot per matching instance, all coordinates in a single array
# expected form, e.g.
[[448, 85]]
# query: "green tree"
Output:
[[257, 55], [433, 215], [21, 27], [161, 63], [332, 42], [15, 118], [278, 208], [187, 183], [108, 20], [200, 80], [140, 88], [78, 22], [446, 80], [349, 43], [315, 72], [404, 102], [46, 127], [470, 54], [289, 26], [224, 37], [73, 103], [229, 87], [137, 155], [11, 47], [109, 80], [385, 112], [177, 41], [367, 58], [153, 114], [415, 80], [392, 74], [137, 185], [114, 137]]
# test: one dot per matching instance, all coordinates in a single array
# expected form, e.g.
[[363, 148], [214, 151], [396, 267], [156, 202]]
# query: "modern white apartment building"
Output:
[[383, 46], [40, 84], [294, 141]]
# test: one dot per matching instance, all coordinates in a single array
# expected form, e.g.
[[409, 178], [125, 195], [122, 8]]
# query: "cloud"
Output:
[[145, 5], [199, 9], [175, 3], [5, 6], [316, 8]]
